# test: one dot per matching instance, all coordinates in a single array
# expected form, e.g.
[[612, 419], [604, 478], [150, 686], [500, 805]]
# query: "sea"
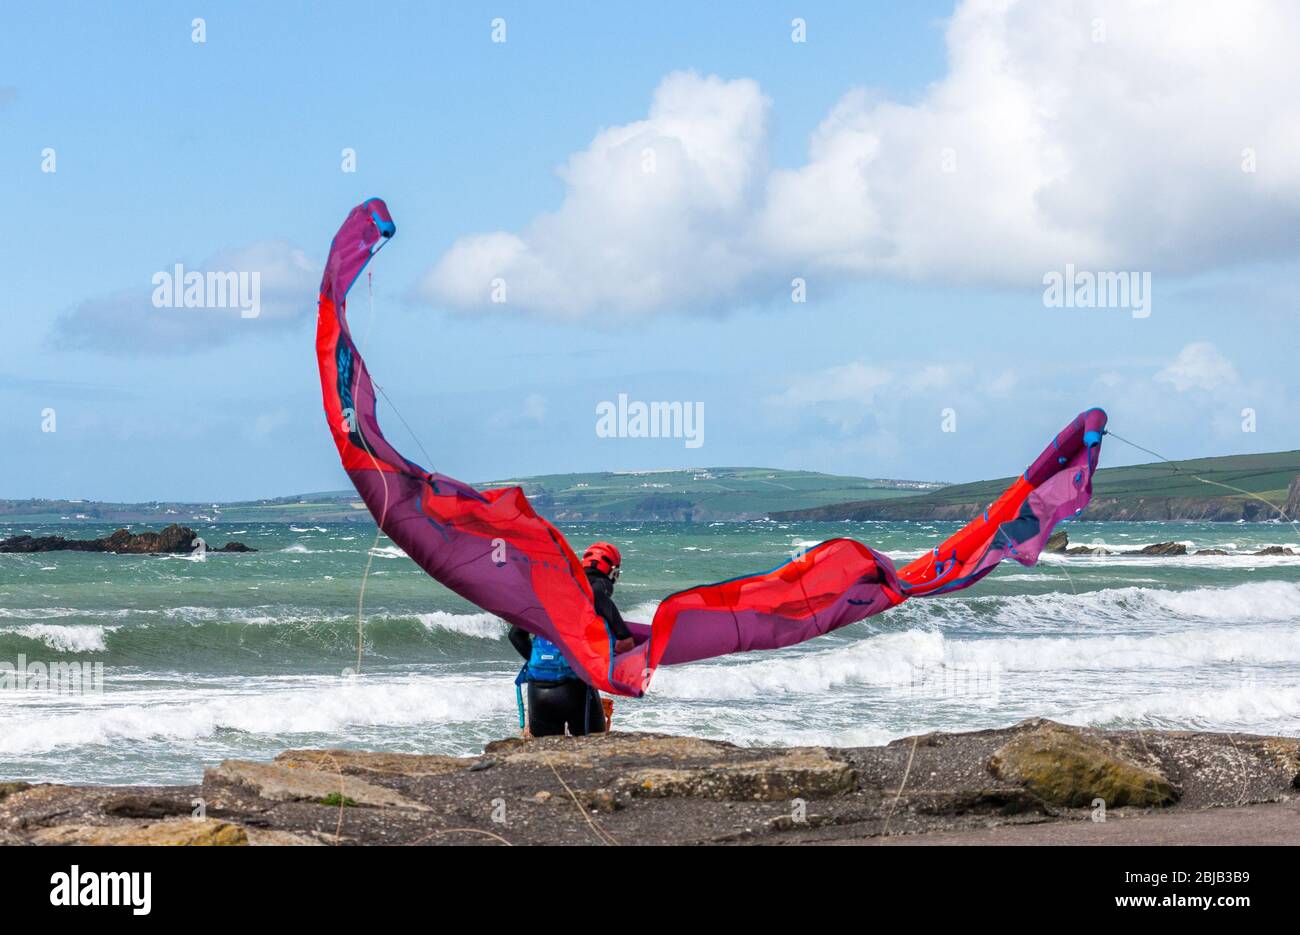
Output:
[[189, 660]]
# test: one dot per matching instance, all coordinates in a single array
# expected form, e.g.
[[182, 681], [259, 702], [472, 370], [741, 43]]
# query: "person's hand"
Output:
[[624, 645]]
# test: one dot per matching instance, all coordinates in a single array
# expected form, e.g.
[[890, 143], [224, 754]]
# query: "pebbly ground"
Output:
[[1037, 782]]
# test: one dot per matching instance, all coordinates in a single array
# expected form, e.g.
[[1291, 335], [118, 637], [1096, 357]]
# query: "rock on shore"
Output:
[[656, 789], [173, 539]]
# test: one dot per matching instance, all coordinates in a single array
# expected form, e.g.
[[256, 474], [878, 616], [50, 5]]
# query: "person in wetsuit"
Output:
[[557, 697]]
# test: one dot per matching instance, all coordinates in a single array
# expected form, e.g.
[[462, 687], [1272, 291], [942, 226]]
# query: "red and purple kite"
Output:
[[493, 549]]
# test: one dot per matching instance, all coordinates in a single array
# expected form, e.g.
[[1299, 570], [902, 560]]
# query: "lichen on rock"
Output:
[[1073, 768]]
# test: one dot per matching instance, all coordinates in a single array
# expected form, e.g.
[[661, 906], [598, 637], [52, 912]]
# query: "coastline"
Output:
[[1036, 782]]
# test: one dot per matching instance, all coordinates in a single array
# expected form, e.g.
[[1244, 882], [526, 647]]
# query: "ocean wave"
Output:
[[190, 637], [643, 612], [918, 657], [300, 706], [483, 625], [46, 613], [1246, 707], [1237, 560], [87, 638], [1256, 602]]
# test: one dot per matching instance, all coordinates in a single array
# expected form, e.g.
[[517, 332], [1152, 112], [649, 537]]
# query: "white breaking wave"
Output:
[[1236, 560], [1253, 708], [46, 613], [641, 613], [918, 657], [319, 706], [387, 551], [1257, 602], [483, 625], [87, 638], [253, 616]]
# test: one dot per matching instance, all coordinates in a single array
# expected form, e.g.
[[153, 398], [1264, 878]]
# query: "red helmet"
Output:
[[602, 556]]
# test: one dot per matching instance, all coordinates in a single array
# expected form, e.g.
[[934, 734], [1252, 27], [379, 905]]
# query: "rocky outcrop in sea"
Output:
[[1059, 542], [171, 540]]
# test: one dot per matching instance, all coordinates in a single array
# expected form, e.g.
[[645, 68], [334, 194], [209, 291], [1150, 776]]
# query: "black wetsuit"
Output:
[[572, 702]]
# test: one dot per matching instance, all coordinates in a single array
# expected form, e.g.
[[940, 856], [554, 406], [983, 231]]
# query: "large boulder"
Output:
[[10, 788], [185, 832], [1072, 768], [278, 783], [361, 762], [811, 773], [1161, 548]]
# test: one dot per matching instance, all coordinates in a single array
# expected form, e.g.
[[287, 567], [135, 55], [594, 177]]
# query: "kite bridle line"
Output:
[[379, 532], [1178, 470], [603, 836]]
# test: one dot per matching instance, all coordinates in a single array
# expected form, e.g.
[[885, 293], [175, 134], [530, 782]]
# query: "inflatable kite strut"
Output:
[[493, 549]]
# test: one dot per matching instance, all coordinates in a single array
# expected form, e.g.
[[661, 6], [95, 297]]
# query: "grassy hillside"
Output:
[[695, 495], [1144, 491], [726, 493]]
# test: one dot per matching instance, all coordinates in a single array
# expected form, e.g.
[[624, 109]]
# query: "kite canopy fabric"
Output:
[[493, 549]]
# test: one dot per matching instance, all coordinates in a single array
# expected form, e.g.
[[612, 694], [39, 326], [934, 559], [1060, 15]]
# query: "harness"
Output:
[[546, 664]]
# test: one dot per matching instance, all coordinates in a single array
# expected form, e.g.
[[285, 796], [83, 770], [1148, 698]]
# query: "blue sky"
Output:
[[920, 166]]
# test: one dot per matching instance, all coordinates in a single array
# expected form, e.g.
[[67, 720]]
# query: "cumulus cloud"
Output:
[[1116, 136], [649, 218], [854, 382], [1198, 366], [845, 395], [531, 413], [127, 321]]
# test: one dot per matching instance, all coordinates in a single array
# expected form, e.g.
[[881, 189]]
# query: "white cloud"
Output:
[[855, 382], [841, 395], [929, 377], [535, 407], [1119, 154], [649, 219], [532, 412], [1198, 366], [267, 424], [127, 322]]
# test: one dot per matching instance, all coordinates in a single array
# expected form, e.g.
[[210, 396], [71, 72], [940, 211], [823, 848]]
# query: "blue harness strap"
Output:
[[519, 695], [547, 663]]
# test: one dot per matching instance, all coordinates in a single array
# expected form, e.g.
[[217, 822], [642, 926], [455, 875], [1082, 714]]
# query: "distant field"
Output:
[[1145, 491], [724, 494], [1154, 491], [707, 493]]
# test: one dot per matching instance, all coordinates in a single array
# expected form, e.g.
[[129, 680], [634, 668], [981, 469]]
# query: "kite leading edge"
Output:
[[492, 548]]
